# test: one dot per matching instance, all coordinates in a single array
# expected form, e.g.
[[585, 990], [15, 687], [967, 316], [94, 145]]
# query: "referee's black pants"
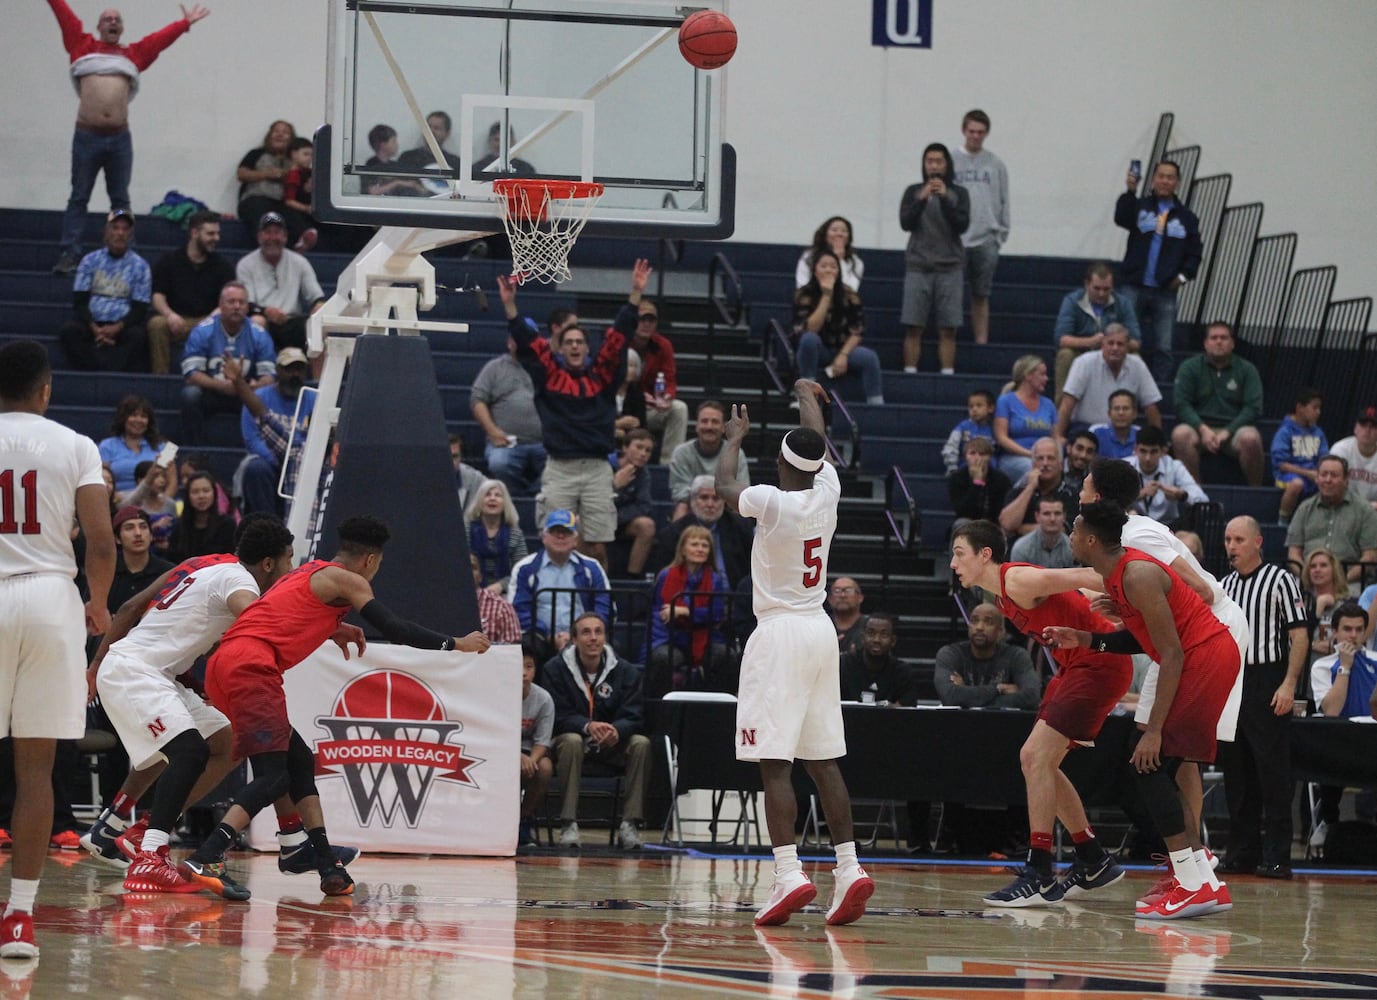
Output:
[[1257, 773]]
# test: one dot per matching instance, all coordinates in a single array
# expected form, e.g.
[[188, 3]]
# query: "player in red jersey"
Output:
[[1198, 663], [1074, 707], [244, 679]]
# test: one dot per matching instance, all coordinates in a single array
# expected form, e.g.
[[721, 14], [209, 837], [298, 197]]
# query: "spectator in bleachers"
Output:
[[134, 438], [1023, 415], [484, 168], [1047, 546], [986, 180], [1118, 438], [631, 495], [666, 413], [1359, 450], [731, 537], [262, 175], [688, 649], [106, 75], [980, 406], [186, 288], [1163, 253], [1044, 479], [282, 286], [844, 599], [833, 235], [1218, 400], [985, 671], [577, 406], [495, 536], [382, 139], [1297, 447], [1336, 518], [421, 158], [1365, 601], [496, 615], [1081, 450], [190, 462], [296, 191], [137, 565], [502, 400], [1094, 375], [1167, 483], [467, 479], [1323, 587], [830, 325], [630, 400], [1085, 314], [265, 425], [558, 567], [934, 213], [110, 298], [559, 320], [871, 673], [699, 457], [537, 740], [151, 497], [1345, 687], [201, 529], [977, 490], [108, 476], [599, 712]]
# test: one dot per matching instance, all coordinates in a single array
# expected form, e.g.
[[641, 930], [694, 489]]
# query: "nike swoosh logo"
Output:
[[1169, 908]]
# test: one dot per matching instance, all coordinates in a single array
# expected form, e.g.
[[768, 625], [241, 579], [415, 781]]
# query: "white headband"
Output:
[[797, 460]]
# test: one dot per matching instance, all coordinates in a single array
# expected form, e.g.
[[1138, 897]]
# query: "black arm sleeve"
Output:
[[400, 630], [1115, 642]]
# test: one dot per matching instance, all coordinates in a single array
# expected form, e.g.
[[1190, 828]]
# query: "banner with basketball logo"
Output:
[[416, 751]]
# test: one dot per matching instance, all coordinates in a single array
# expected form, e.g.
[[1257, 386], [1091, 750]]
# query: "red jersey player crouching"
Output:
[[790, 700], [244, 679], [1198, 663], [1073, 709]]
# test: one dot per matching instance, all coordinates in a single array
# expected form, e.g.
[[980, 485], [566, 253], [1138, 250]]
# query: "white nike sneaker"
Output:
[[789, 894], [852, 888]]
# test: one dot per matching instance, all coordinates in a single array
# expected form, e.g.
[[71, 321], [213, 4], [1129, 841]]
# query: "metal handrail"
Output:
[[854, 461], [728, 305], [906, 538]]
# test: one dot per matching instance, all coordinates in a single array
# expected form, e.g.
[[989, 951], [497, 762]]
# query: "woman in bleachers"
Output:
[[151, 496], [1323, 585], [1022, 415], [495, 536], [189, 462], [630, 399], [688, 650], [201, 530], [829, 325], [134, 438], [262, 174], [833, 235]]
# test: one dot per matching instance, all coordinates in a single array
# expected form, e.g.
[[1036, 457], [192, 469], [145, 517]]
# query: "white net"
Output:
[[543, 218]]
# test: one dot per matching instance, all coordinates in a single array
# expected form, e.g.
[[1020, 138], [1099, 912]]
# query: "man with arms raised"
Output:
[[49, 478], [790, 705]]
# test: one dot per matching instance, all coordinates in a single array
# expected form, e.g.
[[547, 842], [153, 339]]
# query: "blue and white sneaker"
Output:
[[1031, 888], [100, 840], [1083, 878], [296, 856]]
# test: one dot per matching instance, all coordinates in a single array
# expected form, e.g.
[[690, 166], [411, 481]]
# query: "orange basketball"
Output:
[[707, 39]]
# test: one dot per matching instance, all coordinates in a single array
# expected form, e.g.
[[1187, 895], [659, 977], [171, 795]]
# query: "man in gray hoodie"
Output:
[[984, 175], [935, 213]]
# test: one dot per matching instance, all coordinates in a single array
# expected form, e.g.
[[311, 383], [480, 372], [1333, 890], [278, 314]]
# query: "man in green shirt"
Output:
[[1218, 399]]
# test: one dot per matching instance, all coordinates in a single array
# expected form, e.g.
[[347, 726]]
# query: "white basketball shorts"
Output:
[[148, 709], [789, 705], [42, 658]]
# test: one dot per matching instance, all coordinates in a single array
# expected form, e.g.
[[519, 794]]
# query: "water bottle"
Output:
[[659, 383]]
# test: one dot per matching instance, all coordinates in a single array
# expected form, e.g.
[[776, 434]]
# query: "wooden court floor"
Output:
[[676, 925]]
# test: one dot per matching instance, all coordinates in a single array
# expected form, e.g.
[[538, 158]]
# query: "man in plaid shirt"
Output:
[[496, 615]]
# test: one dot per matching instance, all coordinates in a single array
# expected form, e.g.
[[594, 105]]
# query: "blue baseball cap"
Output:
[[561, 519]]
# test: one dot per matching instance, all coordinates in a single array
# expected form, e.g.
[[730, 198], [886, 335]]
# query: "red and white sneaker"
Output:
[[789, 894], [66, 840], [850, 891], [1159, 889], [153, 871], [1213, 859], [130, 842], [16, 935], [1181, 902], [1223, 900]]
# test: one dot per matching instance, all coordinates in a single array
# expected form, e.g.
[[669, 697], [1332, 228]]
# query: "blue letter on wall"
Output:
[[906, 23]]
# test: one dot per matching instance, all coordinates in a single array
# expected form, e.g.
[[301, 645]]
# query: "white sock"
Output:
[[154, 839], [23, 891], [1185, 869], [786, 860], [1207, 875], [846, 856], [948, 371], [910, 369]]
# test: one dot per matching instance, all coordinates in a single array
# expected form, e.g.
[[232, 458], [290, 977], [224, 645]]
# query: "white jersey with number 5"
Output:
[[42, 464], [793, 536], [188, 616]]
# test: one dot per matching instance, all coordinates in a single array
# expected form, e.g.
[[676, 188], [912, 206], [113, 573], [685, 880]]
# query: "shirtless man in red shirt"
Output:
[[244, 680]]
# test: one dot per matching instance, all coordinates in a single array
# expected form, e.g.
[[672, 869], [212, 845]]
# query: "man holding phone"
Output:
[[1163, 253]]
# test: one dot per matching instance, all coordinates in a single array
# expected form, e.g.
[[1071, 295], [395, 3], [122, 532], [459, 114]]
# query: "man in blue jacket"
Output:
[[1163, 254], [541, 583]]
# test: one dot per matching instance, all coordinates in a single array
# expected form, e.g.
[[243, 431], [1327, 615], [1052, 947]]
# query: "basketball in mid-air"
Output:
[[707, 39]]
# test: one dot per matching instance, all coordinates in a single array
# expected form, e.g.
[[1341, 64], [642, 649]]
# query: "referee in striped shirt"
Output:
[[1257, 766]]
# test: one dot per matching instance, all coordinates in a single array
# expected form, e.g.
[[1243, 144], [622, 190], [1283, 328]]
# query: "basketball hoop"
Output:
[[543, 218]]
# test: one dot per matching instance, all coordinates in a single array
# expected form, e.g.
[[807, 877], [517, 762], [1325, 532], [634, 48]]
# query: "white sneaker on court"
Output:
[[850, 891], [789, 894]]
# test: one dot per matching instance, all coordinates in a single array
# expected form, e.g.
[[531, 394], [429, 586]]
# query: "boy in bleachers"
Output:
[[978, 423], [1119, 437], [1297, 448], [631, 495]]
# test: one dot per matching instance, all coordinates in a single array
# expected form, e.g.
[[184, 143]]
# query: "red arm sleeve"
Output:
[[74, 40], [145, 50]]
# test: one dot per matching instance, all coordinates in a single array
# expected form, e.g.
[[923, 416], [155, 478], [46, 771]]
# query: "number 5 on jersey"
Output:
[[812, 562]]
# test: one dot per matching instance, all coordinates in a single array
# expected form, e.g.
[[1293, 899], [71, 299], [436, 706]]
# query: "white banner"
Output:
[[416, 750]]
